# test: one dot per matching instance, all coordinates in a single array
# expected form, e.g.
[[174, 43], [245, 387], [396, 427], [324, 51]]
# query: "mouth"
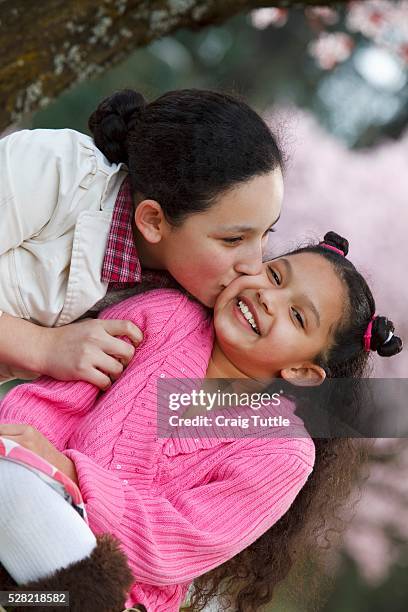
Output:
[[249, 313]]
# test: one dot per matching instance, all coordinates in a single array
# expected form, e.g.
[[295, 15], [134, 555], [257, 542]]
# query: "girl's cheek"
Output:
[[218, 257]]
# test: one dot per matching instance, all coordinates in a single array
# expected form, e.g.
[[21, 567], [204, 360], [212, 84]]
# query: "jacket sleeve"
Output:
[[173, 539], [35, 178], [28, 187]]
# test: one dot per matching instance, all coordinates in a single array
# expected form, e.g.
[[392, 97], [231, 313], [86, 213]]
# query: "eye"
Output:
[[270, 230], [298, 317], [274, 275], [233, 240]]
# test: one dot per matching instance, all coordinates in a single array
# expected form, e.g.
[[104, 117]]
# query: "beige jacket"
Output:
[[57, 193]]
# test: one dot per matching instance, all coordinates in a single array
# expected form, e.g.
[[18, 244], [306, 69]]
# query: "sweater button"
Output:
[[162, 375], [125, 482], [118, 467]]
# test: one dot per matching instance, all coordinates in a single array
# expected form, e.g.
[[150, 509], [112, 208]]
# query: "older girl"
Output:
[[190, 184]]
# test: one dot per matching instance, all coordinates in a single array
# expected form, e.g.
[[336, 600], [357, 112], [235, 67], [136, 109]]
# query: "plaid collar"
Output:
[[121, 263]]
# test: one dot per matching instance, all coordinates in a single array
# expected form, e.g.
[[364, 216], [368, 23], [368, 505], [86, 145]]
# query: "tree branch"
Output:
[[50, 45]]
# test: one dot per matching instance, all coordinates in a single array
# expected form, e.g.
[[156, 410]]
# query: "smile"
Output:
[[248, 315]]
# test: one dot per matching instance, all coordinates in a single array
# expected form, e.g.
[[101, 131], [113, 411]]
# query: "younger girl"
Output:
[[190, 184], [202, 509]]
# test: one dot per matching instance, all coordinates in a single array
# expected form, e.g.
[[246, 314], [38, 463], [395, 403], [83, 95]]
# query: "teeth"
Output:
[[248, 315]]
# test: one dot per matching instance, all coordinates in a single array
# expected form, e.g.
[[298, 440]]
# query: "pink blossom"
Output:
[[262, 18], [383, 21], [331, 49], [378, 531], [369, 17]]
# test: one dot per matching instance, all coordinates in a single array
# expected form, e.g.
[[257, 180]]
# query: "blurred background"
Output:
[[333, 84]]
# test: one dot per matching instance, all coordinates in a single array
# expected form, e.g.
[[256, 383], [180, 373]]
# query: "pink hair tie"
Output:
[[329, 246], [367, 335]]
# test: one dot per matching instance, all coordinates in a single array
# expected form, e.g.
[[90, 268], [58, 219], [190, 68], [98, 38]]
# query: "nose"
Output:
[[251, 265], [266, 300]]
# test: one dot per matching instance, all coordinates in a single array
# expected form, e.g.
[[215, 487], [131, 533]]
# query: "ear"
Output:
[[150, 220], [306, 375]]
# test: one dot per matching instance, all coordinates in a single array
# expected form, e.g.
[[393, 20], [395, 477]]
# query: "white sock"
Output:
[[40, 532]]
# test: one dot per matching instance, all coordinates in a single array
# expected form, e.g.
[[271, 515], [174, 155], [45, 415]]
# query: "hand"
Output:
[[31, 438], [89, 351]]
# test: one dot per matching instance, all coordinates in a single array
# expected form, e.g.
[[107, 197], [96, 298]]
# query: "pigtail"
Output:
[[383, 340], [331, 239]]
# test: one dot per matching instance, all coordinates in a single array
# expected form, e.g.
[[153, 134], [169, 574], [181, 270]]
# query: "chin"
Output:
[[206, 298]]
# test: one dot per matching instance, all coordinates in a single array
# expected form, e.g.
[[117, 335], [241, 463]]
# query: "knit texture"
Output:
[[179, 506]]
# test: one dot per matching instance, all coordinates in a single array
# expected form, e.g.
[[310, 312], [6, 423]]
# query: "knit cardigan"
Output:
[[179, 506]]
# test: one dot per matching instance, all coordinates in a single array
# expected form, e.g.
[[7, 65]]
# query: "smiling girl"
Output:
[[203, 509], [188, 185]]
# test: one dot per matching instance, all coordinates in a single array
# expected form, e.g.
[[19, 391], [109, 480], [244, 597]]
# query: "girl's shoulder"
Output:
[[48, 139], [158, 298], [158, 310], [56, 155], [67, 147]]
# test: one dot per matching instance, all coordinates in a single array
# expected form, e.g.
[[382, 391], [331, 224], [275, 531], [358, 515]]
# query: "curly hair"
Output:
[[249, 580]]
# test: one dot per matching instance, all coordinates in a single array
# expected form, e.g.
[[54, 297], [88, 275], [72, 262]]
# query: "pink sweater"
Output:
[[179, 506]]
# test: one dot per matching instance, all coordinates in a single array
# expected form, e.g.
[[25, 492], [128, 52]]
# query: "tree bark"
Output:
[[50, 45]]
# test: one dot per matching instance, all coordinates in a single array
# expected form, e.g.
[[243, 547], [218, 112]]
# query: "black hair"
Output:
[[347, 356], [185, 148]]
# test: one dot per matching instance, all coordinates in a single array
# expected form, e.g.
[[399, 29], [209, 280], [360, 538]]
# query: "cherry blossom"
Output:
[[263, 18], [382, 22], [378, 532], [370, 18], [331, 49]]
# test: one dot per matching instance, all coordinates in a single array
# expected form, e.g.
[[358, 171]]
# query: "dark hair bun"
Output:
[[337, 241], [379, 335], [112, 121]]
